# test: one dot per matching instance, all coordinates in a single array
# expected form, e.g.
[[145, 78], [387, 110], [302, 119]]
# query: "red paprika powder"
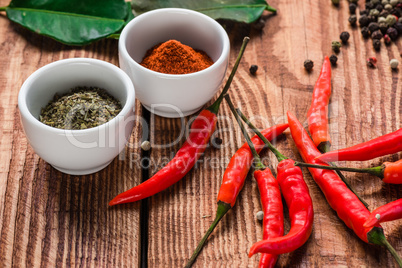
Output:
[[173, 57]]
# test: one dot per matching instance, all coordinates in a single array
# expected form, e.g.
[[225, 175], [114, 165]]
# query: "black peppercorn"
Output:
[[363, 12], [365, 32], [333, 59], [376, 44], [253, 69], [218, 141], [364, 20], [396, 12], [376, 35], [308, 64], [344, 37], [352, 20], [352, 8], [398, 27], [392, 33], [336, 46], [379, 7], [384, 13], [373, 26], [383, 27]]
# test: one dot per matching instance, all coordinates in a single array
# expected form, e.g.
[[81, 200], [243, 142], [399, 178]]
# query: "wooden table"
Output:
[[52, 219]]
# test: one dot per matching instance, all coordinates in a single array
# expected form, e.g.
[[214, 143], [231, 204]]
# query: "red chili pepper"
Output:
[[297, 197], [271, 201], [389, 172], [318, 113], [389, 212], [348, 207], [296, 194], [388, 144], [200, 133], [233, 181]]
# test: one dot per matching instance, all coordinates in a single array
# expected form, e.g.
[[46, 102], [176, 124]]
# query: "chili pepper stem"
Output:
[[326, 147], [223, 208], [271, 9], [215, 106], [376, 171], [376, 236], [278, 155], [3, 8], [257, 160], [114, 36]]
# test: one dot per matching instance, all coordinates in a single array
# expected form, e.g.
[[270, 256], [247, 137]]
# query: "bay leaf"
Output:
[[73, 22], [246, 11]]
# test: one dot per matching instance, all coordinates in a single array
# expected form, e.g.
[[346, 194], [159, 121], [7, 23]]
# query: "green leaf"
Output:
[[239, 10], [72, 22]]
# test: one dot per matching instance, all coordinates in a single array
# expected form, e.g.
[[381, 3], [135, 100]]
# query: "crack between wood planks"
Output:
[[144, 208]]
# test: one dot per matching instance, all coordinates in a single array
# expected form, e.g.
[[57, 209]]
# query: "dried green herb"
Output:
[[81, 108]]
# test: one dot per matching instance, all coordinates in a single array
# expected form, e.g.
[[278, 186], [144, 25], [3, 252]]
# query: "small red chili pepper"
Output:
[[389, 212], [389, 172], [388, 144], [297, 197], [271, 201], [348, 207], [233, 181], [318, 113], [200, 133]]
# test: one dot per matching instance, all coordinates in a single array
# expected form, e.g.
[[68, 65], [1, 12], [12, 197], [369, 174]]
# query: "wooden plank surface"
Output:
[[51, 219]]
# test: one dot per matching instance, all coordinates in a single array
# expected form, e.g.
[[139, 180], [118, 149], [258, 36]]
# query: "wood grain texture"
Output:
[[365, 103], [49, 219]]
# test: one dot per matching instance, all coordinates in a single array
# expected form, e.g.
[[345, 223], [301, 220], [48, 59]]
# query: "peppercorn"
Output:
[[218, 141], [392, 33], [372, 62], [374, 12], [379, 7], [394, 63], [336, 46], [383, 27], [308, 64], [146, 145], [396, 12], [260, 215], [333, 59], [384, 2], [387, 40], [393, 2], [352, 8], [365, 32], [383, 14], [352, 20], [373, 26], [344, 37], [353, 1], [376, 44], [364, 20], [253, 69], [369, 5], [398, 27], [388, 7], [363, 12], [390, 20], [380, 19], [375, 2], [377, 35]]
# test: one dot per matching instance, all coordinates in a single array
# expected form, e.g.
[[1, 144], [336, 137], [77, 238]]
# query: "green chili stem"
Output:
[[215, 106], [377, 237], [114, 36], [3, 8], [257, 160], [326, 147], [269, 8], [278, 154], [223, 208], [376, 171]]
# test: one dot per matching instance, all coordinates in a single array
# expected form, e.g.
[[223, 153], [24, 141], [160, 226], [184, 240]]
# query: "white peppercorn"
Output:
[[388, 7], [146, 145], [393, 2], [260, 215], [394, 63]]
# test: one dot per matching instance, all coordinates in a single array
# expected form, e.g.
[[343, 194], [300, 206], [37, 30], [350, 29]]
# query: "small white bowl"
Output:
[[172, 95], [84, 151]]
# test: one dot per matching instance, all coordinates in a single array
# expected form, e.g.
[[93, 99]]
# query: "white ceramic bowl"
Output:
[[84, 151], [166, 94]]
